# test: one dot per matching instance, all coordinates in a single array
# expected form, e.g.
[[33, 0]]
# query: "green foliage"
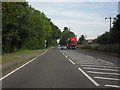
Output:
[[65, 35], [81, 39], [111, 37], [114, 48], [26, 28]]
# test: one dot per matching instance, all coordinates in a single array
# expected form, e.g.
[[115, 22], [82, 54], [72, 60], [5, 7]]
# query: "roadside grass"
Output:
[[23, 52], [11, 61], [112, 50], [10, 56], [0, 59]]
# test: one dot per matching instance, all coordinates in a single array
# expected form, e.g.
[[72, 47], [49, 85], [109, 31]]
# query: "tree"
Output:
[[65, 35], [26, 28], [81, 39], [115, 31], [111, 37]]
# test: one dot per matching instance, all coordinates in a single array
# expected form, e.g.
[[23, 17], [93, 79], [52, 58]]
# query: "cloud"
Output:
[[83, 18], [71, 0]]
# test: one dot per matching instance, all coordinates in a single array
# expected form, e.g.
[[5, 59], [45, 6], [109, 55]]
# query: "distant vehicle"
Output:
[[72, 43], [63, 47], [89, 41]]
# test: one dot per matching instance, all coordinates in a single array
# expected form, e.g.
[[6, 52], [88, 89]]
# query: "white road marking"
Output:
[[105, 61], [89, 56], [107, 78], [115, 86], [101, 69], [92, 80], [63, 53], [21, 67], [66, 56], [100, 66], [71, 61], [103, 73]]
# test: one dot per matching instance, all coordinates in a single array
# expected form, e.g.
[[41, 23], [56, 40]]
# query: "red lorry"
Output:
[[72, 43]]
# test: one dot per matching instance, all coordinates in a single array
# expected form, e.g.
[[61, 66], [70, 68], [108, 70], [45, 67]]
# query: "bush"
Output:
[[114, 48]]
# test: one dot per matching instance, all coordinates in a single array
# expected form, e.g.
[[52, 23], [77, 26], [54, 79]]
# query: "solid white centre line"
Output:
[[107, 78], [102, 69], [21, 67], [71, 61], [112, 86], [103, 73], [100, 66], [92, 80]]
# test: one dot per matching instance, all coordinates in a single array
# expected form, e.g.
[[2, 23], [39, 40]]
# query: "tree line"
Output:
[[23, 27], [112, 36], [67, 33]]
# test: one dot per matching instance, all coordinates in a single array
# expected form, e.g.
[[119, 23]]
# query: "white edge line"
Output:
[[112, 86], [71, 61], [21, 67], [92, 80]]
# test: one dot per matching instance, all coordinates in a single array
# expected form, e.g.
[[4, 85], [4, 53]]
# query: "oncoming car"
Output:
[[64, 47]]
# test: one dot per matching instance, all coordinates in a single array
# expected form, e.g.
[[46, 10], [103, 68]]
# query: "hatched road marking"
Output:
[[112, 86], [103, 73], [105, 61], [102, 69], [92, 80], [107, 78], [100, 66]]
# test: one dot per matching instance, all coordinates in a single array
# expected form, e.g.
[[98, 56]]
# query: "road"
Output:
[[65, 69]]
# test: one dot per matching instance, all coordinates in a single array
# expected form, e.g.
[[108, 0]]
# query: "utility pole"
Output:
[[110, 20]]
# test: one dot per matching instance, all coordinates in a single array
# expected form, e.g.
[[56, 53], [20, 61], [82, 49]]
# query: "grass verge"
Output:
[[112, 50], [14, 60]]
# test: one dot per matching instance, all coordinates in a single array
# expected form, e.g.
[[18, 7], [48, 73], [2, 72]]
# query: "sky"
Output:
[[87, 18]]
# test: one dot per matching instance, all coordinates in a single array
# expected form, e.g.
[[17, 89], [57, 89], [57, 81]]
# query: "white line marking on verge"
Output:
[[112, 86], [21, 66], [103, 73], [105, 61], [100, 66], [101, 69], [107, 78], [71, 61], [92, 80]]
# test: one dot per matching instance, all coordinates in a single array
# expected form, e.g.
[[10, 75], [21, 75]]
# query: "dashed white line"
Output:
[[101, 69], [20, 67], [66, 56], [115, 86], [100, 66], [107, 78], [71, 61], [103, 73], [92, 80]]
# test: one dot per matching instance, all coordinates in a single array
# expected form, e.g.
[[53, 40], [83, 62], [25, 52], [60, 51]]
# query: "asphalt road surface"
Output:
[[65, 69]]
